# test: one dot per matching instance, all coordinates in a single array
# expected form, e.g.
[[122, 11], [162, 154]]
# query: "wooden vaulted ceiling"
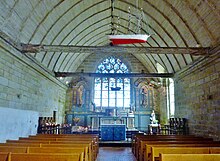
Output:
[[175, 23]]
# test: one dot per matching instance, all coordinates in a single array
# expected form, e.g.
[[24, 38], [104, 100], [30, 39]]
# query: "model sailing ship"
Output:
[[117, 39]]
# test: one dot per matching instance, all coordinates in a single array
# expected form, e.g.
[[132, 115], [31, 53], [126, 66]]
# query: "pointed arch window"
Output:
[[105, 95]]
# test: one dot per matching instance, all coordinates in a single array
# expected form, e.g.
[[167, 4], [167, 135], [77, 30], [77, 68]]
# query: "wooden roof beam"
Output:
[[114, 75], [33, 48]]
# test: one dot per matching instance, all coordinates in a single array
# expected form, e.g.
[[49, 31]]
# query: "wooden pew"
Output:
[[189, 157], [45, 157], [148, 151], [53, 138], [23, 146], [141, 149], [136, 138], [139, 146], [87, 146], [91, 157], [177, 150], [214, 150], [4, 156], [78, 139], [59, 150], [92, 151], [15, 149], [63, 139], [40, 157], [94, 136]]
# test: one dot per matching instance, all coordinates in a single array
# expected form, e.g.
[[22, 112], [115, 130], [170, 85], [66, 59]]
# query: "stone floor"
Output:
[[115, 154]]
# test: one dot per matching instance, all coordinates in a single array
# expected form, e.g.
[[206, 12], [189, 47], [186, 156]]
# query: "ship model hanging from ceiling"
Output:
[[120, 39]]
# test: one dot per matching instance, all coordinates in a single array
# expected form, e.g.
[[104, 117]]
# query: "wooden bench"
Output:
[[177, 150], [148, 149], [140, 136], [14, 149], [189, 157], [62, 137], [87, 146], [4, 156], [40, 157], [141, 149], [76, 138], [21, 144], [91, 149], [139, 145], [61, 140], [214, 150], [44, 157], [60, 150], [95, 137]]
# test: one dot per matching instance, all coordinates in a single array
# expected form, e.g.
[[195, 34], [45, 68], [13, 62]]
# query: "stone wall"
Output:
[[27, 86], [197, 96]]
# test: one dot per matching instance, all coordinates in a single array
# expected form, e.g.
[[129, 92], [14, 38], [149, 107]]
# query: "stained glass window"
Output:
[[103, 95]]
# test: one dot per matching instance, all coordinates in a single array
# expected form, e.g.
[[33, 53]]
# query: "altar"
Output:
[[111, 132], [98, 121]]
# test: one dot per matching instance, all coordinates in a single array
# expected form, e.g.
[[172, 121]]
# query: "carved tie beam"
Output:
[[31, 48], [115, 75]]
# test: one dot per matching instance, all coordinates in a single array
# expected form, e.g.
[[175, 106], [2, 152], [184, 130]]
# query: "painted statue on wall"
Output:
[[144, 96], [80, 92]]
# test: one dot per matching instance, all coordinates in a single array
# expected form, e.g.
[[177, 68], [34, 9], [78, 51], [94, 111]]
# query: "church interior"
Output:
[[116, 70]]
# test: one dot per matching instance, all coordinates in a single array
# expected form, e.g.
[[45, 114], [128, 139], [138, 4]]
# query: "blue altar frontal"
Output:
[[113, 132]]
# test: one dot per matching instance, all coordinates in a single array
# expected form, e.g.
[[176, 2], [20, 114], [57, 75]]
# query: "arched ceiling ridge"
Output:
[[59, 18], [184, 21], [59, 61], [73, 20], [176, 29], [85, 23], [61, 66], [70, 41], [161, 36], [147, 63], [55, 23], [83, 31], [69, 23], [44, 18], [85, 41], [213, 8], [200, 19], [161, 59], [82, 55]]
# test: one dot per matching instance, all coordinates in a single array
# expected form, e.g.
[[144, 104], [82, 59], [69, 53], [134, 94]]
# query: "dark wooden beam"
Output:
[[115, 75], [31, 48], [10, 41]]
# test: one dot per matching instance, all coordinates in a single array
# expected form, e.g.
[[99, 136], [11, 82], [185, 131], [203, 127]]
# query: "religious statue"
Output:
[[80, 95], [144, 97], [153, 118]]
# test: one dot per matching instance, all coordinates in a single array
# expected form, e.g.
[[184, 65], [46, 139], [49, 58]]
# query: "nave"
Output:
[[115, 154]]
